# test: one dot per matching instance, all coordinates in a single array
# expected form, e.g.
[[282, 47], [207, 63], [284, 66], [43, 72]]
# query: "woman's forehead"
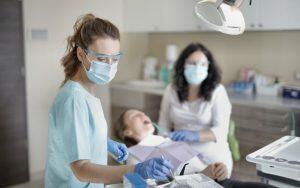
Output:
[[105, 46], [129, 117], [197, 55]]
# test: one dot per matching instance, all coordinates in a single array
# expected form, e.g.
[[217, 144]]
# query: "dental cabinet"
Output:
[[259, 120], [125, 96]]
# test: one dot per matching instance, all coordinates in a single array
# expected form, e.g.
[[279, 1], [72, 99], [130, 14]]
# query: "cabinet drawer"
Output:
[[256, 137], [271, 115], [261, 114], [244, 170], [256, 127], [248, 147], [246, 111], [261, 126]]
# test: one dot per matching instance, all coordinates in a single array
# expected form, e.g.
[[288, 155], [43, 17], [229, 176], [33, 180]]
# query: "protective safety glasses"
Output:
[[109, 59]]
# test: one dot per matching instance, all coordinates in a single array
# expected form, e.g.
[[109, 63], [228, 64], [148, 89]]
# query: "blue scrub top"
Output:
[[77, 131]]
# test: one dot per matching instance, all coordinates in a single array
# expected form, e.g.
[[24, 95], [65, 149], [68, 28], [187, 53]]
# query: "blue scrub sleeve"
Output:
[[76, 130]]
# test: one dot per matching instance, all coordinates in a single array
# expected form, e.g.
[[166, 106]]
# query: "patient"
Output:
[[134, 127]]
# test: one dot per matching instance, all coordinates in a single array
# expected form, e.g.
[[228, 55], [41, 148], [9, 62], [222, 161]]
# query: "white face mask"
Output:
[[101, 72], [195, 74]]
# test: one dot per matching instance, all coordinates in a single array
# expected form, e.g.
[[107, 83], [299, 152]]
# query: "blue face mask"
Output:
[[195, 74], [101, 72]]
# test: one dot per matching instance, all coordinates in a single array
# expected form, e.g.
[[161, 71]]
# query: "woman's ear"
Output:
[[80, 54]]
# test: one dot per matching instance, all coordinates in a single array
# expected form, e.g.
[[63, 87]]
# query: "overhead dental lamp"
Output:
[[222, 15]]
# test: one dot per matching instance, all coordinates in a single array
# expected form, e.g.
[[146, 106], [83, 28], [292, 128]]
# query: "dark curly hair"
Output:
[[208, 85]]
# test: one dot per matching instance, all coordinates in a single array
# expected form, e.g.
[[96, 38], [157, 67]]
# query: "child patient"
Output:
[[135, 128]]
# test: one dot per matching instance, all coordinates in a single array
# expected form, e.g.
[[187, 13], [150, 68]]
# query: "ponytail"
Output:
[[86, 30]]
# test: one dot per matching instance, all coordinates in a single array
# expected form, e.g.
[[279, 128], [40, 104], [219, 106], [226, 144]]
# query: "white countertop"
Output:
[[271, 102], [238, 99], [147, 90]]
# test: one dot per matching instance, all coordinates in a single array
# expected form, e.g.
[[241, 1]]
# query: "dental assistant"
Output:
[[196, 106], [77, 138]]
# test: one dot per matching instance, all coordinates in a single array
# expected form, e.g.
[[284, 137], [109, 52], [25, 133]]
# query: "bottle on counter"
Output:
[[166, 71], [149, 72]]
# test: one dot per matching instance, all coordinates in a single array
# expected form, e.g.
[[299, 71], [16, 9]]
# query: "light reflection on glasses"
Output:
[[109, 59]]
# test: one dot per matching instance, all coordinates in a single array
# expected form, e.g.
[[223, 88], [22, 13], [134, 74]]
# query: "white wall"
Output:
[[273, 53], [42, 61], [135, 48]]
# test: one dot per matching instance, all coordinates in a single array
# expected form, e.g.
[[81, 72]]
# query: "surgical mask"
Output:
[[101, 72], [195, 74]]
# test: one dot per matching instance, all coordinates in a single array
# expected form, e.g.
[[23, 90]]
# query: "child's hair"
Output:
[[86, 30], [119, 128]]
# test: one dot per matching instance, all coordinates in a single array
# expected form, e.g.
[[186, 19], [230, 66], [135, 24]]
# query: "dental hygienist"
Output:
[[77, 140], [196, 106]]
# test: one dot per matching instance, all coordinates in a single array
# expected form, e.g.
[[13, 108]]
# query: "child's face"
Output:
[[138, 125]]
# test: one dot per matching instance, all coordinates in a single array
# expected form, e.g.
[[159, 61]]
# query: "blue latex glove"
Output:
[[185, 136], [156, 168], [119, 150]]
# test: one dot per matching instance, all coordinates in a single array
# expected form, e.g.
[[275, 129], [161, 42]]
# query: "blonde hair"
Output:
[[87, 29]]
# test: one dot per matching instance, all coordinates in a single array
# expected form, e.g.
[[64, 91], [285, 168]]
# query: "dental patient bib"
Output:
[[179, 153]]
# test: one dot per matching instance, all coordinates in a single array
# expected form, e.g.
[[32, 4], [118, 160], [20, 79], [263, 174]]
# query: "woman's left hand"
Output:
[[119, 150], [185, 136], [220, 171]]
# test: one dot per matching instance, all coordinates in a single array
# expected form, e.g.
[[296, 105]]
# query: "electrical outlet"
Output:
[[39, 34]]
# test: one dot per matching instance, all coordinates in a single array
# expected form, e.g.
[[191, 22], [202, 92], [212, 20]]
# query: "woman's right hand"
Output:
[[156, 168], [185, 136]]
